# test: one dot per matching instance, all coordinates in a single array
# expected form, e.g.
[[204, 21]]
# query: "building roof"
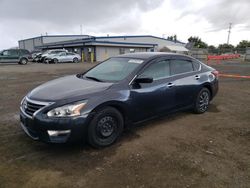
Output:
[[55, 36], [136, 36], [93, 41]]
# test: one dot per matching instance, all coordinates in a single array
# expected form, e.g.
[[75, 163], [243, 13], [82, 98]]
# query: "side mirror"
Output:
[[143, 80]]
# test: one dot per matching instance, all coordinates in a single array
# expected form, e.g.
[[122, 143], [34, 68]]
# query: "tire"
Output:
[[55, 61], [75, 60], [202, 101], [106, 126], [23, 61]]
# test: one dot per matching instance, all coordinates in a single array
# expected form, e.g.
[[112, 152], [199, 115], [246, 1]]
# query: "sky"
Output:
[[207, 19]]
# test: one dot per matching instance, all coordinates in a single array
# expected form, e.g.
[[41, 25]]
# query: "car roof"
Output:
[[147, 55]]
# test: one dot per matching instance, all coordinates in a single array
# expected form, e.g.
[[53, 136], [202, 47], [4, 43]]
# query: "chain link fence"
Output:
[[203, 53]]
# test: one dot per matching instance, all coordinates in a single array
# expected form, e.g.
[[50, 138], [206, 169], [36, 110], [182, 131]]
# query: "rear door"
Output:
[[14, 55], [150, 99], [186, 83], [70, 56]]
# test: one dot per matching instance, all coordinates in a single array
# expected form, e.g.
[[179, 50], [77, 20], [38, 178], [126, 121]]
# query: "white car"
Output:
[[63, 57], [47, 53]]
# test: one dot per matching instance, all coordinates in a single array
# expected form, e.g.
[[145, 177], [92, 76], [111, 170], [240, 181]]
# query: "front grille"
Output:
[[30, 107]]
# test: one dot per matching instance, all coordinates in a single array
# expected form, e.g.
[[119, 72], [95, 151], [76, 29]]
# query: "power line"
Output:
[[229, 32]]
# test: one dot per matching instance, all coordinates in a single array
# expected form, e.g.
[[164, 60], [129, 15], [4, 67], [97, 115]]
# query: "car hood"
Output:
[[66, 88]]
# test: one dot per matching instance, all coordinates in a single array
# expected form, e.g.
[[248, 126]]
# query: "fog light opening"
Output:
[[53, 133]]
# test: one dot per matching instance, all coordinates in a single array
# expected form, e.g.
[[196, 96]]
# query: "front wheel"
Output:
[[105, 128], [202, 101], [75, 60], [23, 61], [55, 61]]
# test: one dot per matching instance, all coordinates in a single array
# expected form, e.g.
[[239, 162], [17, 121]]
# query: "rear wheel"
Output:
[[202, 101], [75, 60], [105, 128], [23, 61]]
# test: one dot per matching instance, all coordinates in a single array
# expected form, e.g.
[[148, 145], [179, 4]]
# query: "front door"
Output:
[[7, 56]]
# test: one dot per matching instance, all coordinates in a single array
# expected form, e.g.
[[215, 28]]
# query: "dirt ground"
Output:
[[181, 150]]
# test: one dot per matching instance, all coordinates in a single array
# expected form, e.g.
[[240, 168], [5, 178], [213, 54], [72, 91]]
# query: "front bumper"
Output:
[[55, 130]]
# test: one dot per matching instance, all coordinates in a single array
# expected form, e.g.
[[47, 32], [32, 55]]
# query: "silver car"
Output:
[[63, 57]]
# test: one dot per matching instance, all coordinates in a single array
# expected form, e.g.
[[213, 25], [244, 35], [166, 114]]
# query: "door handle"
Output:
[[197, 77], [170, 85]]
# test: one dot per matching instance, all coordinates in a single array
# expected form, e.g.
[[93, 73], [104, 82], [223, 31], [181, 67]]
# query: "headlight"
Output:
[[70, 110]]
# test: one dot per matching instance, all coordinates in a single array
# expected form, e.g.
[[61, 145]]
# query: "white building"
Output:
[[100, 48]]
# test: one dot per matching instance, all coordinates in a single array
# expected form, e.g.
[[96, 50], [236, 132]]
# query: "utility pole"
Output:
[[229, 32]]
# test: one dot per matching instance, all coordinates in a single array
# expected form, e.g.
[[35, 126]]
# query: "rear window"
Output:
[[24, 52], [196, 65], [181, 66]]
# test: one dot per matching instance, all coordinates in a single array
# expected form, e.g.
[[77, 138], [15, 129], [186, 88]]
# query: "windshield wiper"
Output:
[[94, 78]]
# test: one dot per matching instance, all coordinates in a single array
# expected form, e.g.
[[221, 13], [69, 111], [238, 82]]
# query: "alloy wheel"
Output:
[[203, 101]]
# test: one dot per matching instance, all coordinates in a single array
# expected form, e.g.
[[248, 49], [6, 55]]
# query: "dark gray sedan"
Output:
[[123, 90]]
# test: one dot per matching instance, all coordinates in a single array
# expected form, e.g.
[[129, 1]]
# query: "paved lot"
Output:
[[181, 150]]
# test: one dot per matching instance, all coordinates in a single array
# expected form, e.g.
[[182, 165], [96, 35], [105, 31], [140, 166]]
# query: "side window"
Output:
[[181, 66], [157, 70], [6, 52], [24, 52], [196, 65], [62, 54], [14, 52]]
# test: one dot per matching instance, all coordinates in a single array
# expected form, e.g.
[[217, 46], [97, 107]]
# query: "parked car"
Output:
[[20, 56], [35, 55], [63, 57], [47, 53], [121, 91]]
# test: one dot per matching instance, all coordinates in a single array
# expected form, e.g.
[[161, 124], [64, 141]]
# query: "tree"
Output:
[[198, 43], [212, 49], [243, 44], [172, 38], [241, 47], [225, 48]]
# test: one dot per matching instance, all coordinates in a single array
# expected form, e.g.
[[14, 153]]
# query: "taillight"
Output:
[[215, 73]]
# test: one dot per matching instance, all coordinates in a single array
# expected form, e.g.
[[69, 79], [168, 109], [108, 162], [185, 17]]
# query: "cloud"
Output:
[[27, 18], [68, 13], [219, 13]]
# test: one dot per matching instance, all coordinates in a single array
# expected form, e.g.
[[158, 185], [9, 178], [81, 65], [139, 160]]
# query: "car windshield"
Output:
[[113, 69]]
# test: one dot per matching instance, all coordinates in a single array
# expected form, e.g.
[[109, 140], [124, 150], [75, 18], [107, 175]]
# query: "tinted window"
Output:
[[70, 53], [24, 51], [157, 70], [14, 52], [62, 53], [196, 65], [181, 66]]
